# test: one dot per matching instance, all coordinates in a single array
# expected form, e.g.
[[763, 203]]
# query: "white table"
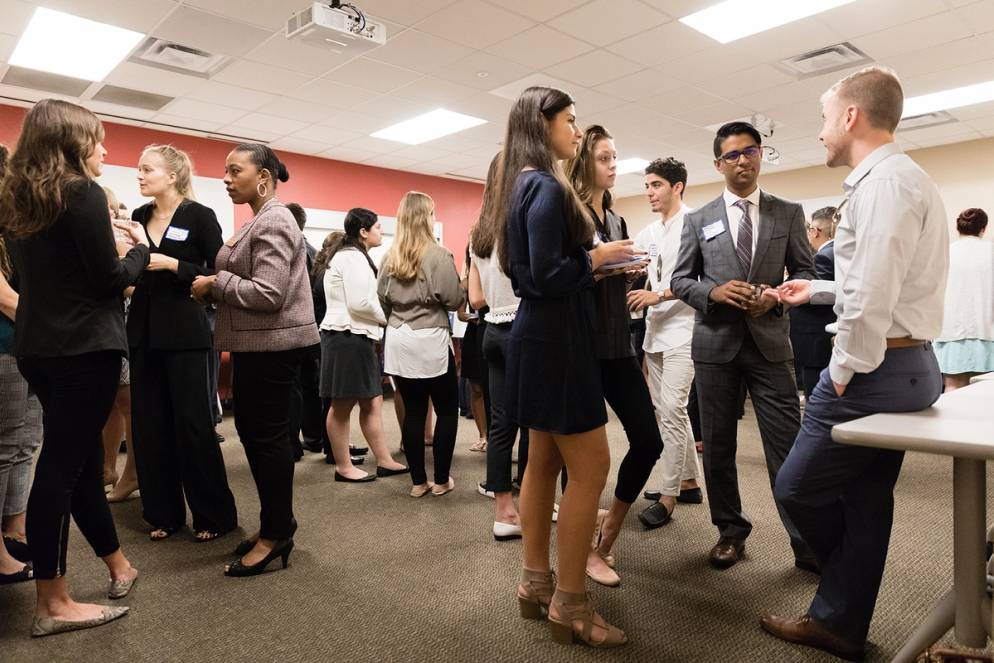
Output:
[[961, 425], [982, 377]]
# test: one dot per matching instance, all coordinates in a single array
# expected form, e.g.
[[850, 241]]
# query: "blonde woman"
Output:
[[417, 286], [170, 338]]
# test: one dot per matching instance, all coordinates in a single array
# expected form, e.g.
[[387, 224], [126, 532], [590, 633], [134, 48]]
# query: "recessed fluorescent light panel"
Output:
[[71, 46], [423, 128], [948, 99], [633, 165], [735, 19]]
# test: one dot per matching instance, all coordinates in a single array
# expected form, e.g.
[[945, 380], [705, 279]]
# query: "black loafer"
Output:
[[384, 472], [655, 516], [345, 479], [691, 496], [358, 451], [356, 460], [652, 495]]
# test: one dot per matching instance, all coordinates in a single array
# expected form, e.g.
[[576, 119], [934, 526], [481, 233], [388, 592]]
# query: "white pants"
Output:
[[670, 375]]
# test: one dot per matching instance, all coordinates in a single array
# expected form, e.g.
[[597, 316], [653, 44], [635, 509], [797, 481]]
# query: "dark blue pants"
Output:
[[841, 497]]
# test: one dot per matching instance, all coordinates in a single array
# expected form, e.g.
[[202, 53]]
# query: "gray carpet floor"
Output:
[[379, 576]]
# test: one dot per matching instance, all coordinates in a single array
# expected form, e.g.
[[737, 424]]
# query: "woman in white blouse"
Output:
[[966, 346], [350, 371]]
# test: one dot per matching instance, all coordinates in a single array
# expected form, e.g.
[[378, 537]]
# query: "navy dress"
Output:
[[552, 367]]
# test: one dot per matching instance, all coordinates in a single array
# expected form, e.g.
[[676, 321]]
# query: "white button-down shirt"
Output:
[[891, 260], [735, 215], [668, 324]]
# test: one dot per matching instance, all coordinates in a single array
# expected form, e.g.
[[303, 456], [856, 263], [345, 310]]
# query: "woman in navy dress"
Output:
[[552, 367]]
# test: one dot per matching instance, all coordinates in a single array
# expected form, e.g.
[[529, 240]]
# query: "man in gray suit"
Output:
[[731, 249]]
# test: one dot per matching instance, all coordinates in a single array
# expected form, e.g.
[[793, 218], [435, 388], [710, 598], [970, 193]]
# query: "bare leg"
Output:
[[14, 526], [371, 424], [957, 381], [538, 494], [9, 565], [479, 409], [429, 425], [112, 433], [53, 595], [128, 483], [339, 419], [504, 509]]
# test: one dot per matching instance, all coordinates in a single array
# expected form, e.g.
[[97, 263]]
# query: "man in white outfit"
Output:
[[669, 329]]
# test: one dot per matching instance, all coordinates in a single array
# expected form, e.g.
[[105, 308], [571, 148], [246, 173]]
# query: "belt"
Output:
[[903, 342]]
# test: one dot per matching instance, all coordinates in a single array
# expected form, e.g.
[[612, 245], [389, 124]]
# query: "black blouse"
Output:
[[613, 327]]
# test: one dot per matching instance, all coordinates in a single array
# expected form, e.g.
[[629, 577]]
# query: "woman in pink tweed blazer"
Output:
[[265, 318]]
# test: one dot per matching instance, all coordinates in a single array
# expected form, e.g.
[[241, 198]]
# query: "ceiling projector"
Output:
[[341, 27]]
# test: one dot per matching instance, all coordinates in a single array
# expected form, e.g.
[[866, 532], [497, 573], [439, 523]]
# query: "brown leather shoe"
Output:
[[806, 631], [726, 552]]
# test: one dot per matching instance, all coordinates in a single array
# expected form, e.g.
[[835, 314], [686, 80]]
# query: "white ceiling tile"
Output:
[[296, 56], [484, 105], [593, 101], [468, 71], [436, 90], [200, 110], [250, 135], [967, 74], [258, 76], [393, 109], [102, 107], [419, 51], [372, 75], [326, 135], [299, 145], [604, 22], [754, 79], [404, 12], [662, 44], [682, 99], [170, 121], [540, 11], [983, 124], [707, 64], [7, 45], [363, 123], [679, 8], [540, 47], [478, 173], [372, 145], [330, 93], [230, 95], [784, 41], [350, 155], [16, 15], [867, 16], [726, 111], [474, 24], [150, 79], [979, 15], [211, 33], [139, 16], [973, 112], [594, 68], [308, 113], [390, 161], [271, 15], [640, 85], [936, 58], [280, 126], [948, 139], [425, 152], [915, 35]]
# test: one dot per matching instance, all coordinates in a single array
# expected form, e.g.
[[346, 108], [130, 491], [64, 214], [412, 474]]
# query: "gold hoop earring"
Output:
[[264, 190]]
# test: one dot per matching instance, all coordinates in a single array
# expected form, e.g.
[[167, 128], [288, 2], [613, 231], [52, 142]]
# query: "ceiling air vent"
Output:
[[171, 56], [40, 80], [824, 60], [123, 96], [926, 120]]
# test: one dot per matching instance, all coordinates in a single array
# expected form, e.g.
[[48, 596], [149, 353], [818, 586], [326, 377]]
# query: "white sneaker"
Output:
[[506, 532], [481, 489]]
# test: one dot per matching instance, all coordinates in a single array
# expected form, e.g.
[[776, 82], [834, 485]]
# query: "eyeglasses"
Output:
[[811, 227], [750, 152]]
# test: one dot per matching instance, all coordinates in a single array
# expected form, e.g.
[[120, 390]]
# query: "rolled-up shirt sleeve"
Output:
[[887, 232]]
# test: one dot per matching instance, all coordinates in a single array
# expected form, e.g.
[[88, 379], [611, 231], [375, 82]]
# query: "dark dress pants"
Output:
[[503, 431], [263, 382], [176, 453], [443, 390], [774, 398], [306, 410], [76, 395], [841, 497], [628, 395]]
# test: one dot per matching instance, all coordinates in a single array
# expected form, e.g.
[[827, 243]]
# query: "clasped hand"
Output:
[[742, 295], [201, 290]]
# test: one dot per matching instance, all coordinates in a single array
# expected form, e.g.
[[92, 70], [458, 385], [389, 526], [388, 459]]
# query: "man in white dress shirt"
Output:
[[669, 330], [891, 260]]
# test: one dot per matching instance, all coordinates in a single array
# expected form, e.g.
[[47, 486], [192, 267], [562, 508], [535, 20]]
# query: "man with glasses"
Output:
[[812, 344], [669, 327], [731, 250]]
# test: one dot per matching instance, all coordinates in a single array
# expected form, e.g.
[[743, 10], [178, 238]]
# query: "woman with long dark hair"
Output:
[[350, 370], [552, 366], [265, 319], [69, 339]]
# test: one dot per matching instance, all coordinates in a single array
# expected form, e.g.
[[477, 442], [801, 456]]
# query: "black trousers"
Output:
[[628, 395], [774, 397], [502, 431], [263, 382], [637, 329], [443, 391], [306, 411], [176, 453], [76, 395]]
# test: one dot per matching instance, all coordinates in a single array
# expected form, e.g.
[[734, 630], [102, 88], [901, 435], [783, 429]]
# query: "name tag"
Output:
[[713, 229], [177, 234]]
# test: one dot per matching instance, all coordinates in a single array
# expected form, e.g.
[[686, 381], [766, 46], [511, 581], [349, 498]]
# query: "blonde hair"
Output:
[[874, 90], [414, 235], [112, 201], [177, 162]]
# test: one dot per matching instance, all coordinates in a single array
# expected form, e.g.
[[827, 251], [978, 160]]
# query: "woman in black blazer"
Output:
[[170, 338], [69, 338]]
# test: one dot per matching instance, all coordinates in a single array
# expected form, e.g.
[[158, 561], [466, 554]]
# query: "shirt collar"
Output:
[[676, 217], [731, 198], [868, 163]]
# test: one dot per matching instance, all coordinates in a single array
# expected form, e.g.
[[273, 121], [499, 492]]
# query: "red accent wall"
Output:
[[314, 182]]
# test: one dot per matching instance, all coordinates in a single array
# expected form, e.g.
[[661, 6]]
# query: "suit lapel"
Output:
[[768, 219]]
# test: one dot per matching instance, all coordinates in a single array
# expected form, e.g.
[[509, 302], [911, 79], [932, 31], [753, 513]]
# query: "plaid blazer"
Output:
[[703, 264], [262, 288]]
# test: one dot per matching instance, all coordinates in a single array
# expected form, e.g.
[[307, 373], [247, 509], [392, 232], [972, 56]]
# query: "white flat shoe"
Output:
[[506, 532], [442, 488], [43, 626], [422, 490], [481, 489]]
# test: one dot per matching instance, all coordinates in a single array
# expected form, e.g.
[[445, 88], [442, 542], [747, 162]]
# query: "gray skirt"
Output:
[[349, 367]]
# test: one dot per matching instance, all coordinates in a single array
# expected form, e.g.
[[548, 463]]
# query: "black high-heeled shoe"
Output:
[[245, 546], [281, 550]]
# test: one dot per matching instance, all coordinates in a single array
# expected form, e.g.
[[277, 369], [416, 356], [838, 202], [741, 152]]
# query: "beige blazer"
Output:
[[262, 288]]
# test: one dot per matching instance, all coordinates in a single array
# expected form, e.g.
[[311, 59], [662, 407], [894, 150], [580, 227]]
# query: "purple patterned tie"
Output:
[[743, 245]]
